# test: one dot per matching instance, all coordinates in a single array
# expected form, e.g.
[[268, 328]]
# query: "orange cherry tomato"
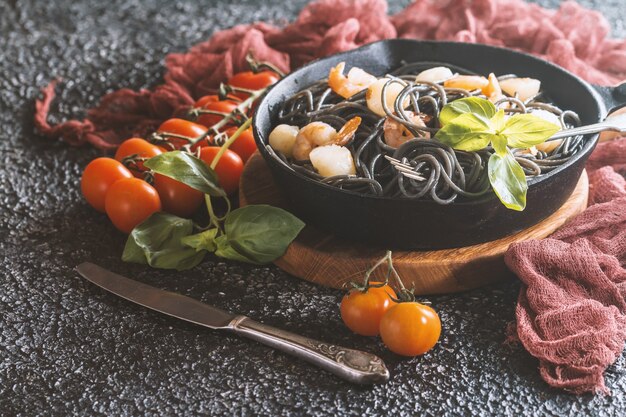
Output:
[[223, 106], [131, 201], [244, 145], [99, 175], [183, 128], [410, 328], [140, 147], [252, 81], [228, 169], [177, 198], [362, 311]]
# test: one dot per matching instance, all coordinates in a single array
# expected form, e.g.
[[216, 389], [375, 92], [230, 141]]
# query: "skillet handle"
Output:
[[614, 97]]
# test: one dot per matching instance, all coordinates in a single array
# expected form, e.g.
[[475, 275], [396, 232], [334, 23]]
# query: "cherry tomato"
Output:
[[362, 311], [131, 201], [252, 81], [223, 106], [228, 169], [140, 147], [177, 198], [99, 175], [410, 328], [244, 145], [183, 128]]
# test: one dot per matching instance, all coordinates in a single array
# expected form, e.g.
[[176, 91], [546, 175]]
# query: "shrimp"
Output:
[[396, 133], [493, 90], [347, 86], [524, 88], [320, 134], [331, 160], [283, 139], [434, 75], [467, 82]]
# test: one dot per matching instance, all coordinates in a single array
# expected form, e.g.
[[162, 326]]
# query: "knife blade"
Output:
[[350, 364]]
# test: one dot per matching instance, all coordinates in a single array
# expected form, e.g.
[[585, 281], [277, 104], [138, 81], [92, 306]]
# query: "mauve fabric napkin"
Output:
[[571, 313]]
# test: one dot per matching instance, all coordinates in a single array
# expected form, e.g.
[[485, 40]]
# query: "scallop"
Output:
[[283, 138], [375, 92], [331, 160], [525, 88], [434, 75]]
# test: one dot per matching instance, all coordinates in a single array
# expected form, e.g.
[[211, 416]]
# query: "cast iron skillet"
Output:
[[409, 224]]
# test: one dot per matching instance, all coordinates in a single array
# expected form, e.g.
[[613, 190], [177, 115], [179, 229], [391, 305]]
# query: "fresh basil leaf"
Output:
[[526, 130], [261, 233], [476, 105], [498, 121], [225, 250], [158, 242], [508, 180], [499, 144], [187, 169], [467, 132], [202, 241]]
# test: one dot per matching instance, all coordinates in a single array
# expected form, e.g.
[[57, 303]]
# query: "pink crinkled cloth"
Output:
[[572, 36], [571, 311]]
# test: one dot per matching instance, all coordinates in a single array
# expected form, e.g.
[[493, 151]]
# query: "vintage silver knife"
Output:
[[352, 365]]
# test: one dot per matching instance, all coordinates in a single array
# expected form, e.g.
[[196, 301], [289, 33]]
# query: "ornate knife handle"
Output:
[[352, 365]]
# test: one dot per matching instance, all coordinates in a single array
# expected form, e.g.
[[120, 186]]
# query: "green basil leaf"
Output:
[[526, 130], [261, 233], [187, 169], [158, 242], [499, 144], [498, 121], [225, 250], [202, 241], [476, 105], [508, 180], [467, 132]]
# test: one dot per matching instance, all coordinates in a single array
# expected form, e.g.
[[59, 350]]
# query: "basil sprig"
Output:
[[256, 234], [473, 123]]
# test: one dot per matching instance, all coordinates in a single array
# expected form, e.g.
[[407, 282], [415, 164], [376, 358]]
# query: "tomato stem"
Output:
[[229, 142]]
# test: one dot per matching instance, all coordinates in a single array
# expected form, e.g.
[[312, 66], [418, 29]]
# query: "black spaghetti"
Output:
[[393, 151]]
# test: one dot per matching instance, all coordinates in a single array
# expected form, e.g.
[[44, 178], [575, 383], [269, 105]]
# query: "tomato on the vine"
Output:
[[131, 201], [99, 175], [183, 128], [139, 147], [410, 328], [244, 145], [252, 81], [177, 198], [220, 106], [362, 311], [228, 169]]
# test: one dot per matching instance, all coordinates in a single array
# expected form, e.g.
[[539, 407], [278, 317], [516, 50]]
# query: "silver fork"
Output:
[[405, 169]]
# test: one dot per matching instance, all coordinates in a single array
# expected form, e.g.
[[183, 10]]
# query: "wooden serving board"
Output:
[[324, 259]]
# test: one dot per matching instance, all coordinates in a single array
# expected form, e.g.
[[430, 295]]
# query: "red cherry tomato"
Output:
[[140, 147], [223, 106], [130, 202], [228, 169], [410, 329], [98, 177], [252, 81], [362, 311], [244, 145], [183, 128], [177, 198]]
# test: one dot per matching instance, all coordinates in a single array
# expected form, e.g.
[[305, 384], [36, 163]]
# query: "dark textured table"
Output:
[[67, 347]]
